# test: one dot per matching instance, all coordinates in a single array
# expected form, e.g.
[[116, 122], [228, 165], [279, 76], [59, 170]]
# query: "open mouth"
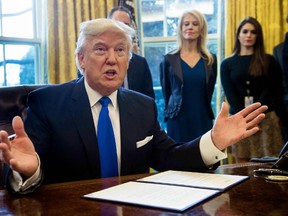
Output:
[[110, 72]]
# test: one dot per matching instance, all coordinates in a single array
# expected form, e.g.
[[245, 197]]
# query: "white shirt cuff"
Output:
[[16, 180], [209, 152]]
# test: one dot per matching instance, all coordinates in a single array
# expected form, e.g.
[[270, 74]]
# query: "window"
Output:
[[21, 46], [158, 21]]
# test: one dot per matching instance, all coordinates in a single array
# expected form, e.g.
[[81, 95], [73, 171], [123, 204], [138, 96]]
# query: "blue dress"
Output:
[[193, 119]]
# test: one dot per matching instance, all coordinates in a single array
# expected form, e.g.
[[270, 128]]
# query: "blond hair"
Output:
[[201, 41]]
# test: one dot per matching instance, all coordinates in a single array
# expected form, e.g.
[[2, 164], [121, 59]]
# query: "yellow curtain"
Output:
[[270, 13], [64, 18]]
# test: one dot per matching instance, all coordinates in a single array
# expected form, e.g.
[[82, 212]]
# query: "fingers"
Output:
[[4, 139], [224, 110], [18, 126], [251, 108], [250, 132], [252, 126], [3, 136], [255, 121], [256, 113], [5, 147]]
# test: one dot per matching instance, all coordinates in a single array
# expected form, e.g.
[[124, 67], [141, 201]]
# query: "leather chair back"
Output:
[[13, 102]]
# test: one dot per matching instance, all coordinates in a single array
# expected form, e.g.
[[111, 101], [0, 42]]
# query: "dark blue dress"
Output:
[[193, 119]]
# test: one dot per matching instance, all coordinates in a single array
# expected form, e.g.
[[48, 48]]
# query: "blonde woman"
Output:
[[188, 75]]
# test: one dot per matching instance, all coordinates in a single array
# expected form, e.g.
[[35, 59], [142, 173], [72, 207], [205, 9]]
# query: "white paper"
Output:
[[154, 195], [195, 179], [173, 190]]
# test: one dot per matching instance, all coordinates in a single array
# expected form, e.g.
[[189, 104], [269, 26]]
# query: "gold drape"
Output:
[[64, 18], [270, 13]]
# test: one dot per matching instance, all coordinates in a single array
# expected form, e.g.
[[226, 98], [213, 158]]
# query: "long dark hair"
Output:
[[258, 65]]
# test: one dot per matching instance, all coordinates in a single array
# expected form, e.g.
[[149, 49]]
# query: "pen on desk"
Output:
[[11, 137]]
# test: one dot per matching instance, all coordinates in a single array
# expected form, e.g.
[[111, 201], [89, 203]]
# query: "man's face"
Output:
[[105, 60], [121, 16]]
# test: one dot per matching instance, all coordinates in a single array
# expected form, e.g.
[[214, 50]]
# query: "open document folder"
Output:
[[172, 190]]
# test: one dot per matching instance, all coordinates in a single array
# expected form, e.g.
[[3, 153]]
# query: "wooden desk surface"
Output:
[[252, 197]]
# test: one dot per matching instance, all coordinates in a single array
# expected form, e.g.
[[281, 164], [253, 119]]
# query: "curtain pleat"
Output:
[[64, 18], [270, 13]]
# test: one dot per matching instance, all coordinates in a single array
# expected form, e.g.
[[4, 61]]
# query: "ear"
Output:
[[81, 61], [128, 64]]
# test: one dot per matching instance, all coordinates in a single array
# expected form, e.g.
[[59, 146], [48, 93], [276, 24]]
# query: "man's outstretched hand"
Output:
[[228, 130], [18, 153]]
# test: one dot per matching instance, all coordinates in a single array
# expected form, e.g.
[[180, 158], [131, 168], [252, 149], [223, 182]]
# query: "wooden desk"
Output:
[[252, 197]]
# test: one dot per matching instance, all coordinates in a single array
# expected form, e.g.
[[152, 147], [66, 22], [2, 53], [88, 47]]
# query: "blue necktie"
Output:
[[106, 142]]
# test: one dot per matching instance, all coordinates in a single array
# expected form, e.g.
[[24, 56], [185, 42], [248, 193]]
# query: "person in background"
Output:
[[250, 75], [280, 53], [138, 74], [188, 75], [60, 142]]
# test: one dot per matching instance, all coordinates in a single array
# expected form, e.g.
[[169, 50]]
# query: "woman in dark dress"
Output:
[[188, 75], [250, 75]]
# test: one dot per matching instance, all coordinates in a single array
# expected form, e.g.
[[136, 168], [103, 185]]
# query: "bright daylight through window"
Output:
[[20, 42]]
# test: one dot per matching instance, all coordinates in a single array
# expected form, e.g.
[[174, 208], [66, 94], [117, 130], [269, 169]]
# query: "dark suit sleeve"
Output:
[[169, 155], [7, 172], [139, 76], [148, 80], [276, 80], [276, 54]]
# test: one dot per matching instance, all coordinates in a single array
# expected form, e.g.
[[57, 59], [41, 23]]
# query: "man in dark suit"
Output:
[[61, 143], [138, 74], [280, 53]]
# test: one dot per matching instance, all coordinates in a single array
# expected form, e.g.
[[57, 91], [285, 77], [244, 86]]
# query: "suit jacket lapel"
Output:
[[82, 115], [127, 127], [175, 62]]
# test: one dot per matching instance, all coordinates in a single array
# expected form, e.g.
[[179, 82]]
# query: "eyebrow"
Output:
[[101, 43]]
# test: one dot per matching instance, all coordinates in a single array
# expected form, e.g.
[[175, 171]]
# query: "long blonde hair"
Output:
[[201, 42]]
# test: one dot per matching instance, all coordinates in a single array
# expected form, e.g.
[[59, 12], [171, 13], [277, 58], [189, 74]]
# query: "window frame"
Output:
[[38, 42]]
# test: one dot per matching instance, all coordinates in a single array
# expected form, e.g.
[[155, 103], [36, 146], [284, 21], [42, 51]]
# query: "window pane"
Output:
[[173, 11], [2, 75], [175, 8], [212, 46], [154, 55], [19, 64], [17, 18], [152, 17], [160, 18], [160, 106]]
